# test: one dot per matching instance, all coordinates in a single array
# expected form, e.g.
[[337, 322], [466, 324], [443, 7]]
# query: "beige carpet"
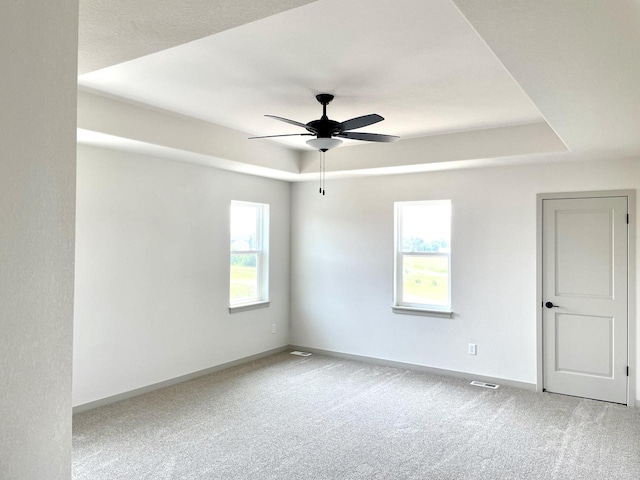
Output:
[[287, 417]]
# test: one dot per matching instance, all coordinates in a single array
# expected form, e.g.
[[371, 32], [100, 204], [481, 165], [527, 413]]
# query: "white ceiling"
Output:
[[456, 75], [417, 63], [114, 31]]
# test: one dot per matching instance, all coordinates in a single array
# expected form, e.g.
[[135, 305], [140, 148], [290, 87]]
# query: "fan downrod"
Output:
[[324, 99]]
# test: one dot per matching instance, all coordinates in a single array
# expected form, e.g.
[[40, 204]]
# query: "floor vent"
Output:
[[301, 354], [475, 383]]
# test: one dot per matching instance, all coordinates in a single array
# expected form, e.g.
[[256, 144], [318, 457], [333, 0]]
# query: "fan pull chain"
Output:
[[322, 173]]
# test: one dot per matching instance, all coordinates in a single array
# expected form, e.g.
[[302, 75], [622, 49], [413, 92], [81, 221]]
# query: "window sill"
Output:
[[248, 306], [421, 311]]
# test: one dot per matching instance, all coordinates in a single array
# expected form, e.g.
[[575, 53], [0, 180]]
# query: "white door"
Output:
[[584, 288]]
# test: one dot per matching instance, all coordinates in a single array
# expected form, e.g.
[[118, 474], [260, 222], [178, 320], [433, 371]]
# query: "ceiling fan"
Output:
[[326, 130]]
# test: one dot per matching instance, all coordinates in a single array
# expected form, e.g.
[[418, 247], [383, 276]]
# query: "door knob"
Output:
[[551, 305]]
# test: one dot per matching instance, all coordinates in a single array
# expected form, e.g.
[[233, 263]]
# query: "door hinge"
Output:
[[627, 219], [627, 370]]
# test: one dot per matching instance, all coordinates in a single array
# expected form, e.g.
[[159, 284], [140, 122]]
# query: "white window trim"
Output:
[[421, 311], [407, 307], [247, 306], [262, 259]]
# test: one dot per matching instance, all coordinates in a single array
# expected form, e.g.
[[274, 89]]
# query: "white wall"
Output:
[[38, 51], [152, 271], [342, 264]]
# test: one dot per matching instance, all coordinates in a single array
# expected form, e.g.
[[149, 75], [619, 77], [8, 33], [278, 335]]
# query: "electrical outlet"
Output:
[[273, 328], [472, 349]]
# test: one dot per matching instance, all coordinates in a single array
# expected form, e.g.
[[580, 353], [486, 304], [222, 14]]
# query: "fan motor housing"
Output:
[[324, 127]]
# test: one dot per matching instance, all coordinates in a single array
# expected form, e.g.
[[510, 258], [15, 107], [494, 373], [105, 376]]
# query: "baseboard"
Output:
[[330, 353], [174, 381], [419, 368]]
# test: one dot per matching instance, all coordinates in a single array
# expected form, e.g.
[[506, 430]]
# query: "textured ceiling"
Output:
[[578, 60], [456, 75], [114, 31], [417, 63]]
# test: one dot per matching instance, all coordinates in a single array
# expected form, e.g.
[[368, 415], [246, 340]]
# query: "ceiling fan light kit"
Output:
[[326, 130], [324, 144]]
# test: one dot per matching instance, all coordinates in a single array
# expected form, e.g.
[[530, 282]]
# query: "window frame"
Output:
[[261, 251], [414, 308]]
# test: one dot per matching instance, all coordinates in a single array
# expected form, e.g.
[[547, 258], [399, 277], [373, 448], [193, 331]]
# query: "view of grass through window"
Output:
[[425, 280], [246, 248], [244, 277], [424, 235]]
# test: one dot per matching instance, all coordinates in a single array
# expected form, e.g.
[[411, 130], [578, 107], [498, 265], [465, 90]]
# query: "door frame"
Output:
[[631, 282]]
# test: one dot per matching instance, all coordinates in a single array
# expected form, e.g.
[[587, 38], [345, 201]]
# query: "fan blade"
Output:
[[369, 137], [360, 122], [286, 135], [292, 122]]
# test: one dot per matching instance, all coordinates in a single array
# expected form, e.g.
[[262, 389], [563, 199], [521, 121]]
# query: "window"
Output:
[[423, 257], [249, 261]]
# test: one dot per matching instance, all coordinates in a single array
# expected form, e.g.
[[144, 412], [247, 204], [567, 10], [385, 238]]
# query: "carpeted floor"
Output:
[[287, 417]]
